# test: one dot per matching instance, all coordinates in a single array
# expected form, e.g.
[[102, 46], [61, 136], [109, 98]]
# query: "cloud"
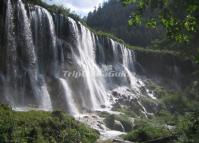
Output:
[[81, 7]]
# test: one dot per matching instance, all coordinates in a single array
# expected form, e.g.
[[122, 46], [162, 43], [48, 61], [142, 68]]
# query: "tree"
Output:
[[112, 17], [180, 19]]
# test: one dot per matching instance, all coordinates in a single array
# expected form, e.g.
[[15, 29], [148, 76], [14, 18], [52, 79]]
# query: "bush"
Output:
[[188, 128], [126, 122], [146, 132], [42, 127], [110, 121]]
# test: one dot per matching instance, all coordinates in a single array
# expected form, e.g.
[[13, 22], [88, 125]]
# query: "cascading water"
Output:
[[53, 49], [69, 98], [127, 64], [39, 53], [55, 63], [29, 53], [46, 101], [10, 50], [86, 61], [11, 41]]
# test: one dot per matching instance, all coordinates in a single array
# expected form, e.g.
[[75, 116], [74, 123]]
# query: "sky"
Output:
[[81, 7]]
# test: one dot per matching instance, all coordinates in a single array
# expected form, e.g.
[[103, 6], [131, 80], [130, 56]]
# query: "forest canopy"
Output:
[[112, 17]]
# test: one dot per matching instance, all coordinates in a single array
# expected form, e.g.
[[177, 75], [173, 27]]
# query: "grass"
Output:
[[42, 127]]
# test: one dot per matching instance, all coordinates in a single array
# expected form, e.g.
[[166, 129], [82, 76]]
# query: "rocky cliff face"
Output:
[[166, 69]]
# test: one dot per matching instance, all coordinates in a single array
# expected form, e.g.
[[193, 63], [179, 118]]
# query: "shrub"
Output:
[[146, 133], [42, 127], [126, 122]]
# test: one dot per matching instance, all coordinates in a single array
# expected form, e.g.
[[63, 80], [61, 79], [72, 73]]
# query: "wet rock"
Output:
[[118, 126], [95, 117], [103, 106], [110, 121], [100, 126], [86, 117], [115, 94]]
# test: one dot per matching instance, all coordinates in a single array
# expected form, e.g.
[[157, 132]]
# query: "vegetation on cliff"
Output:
[[58, 9], [184, 129]]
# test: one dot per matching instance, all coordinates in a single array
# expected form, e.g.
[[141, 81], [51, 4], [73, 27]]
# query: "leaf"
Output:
[[135, 20], [127, 2], [190, 23], [152, 23]]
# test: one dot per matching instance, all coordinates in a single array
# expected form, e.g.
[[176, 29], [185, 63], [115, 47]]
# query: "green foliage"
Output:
[[147, 132], [178, 17], [36, 2], [59, 9], [152, 23], [110, 121], [135, 48], [127, 110], [177, 102], [112, 17], [135, 20], [109, 35], [184, 129], [42, 127], [126, 122], [192, 130]]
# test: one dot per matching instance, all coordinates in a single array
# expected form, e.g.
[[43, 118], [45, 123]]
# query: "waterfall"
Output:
[[44, 29], [41, 47], [53, 41], [86, 60], [11, 42], [120, 124], [29, 49], [144, 109], [11, 57], [69, 98], [46, 101], [128, 62], [127, 57]]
